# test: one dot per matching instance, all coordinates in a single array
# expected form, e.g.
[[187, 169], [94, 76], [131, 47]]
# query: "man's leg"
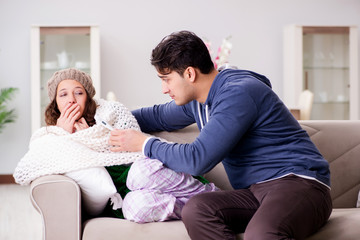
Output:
[[219, 215], [290, 208]]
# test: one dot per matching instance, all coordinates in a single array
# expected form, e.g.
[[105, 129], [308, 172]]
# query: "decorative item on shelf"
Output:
[[110, 96], [305, 104], [223, 52], [341, 98], [65, 59], [49, 65], [6, 116], [323, 97], [82, 65], [306, 100]]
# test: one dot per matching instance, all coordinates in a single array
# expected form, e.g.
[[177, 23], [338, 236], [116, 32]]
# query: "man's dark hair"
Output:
[[180, 50]]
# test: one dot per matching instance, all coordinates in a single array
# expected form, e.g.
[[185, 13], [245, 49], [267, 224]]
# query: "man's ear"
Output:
[[190, 74]]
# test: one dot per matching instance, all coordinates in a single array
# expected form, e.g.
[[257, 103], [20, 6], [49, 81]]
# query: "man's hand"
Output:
[[126, 140]]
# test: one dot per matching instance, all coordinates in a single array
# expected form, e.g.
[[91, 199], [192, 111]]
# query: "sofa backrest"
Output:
[[337, 141]]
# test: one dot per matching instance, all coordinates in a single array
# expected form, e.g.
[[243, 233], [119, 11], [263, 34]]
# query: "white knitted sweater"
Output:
[[52, 150]]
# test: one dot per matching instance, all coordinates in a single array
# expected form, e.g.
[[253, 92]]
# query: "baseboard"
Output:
[[6, 179]]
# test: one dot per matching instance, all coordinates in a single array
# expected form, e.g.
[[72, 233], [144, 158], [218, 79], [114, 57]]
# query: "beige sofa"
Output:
[[58, 199]]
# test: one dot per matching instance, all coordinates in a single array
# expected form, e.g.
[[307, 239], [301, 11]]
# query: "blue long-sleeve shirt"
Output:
[[244, 124]]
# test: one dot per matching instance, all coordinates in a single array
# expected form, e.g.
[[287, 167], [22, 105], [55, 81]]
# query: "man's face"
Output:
[[178, 87]]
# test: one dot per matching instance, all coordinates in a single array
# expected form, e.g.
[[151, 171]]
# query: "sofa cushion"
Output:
[[341, 225], [339, 143], [114, 228]]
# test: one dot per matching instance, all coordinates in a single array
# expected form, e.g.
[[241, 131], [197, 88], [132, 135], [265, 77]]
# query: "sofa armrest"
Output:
[[58, 199]]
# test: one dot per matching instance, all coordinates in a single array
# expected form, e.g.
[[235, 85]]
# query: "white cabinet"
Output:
[[323, 59], [58, 47]]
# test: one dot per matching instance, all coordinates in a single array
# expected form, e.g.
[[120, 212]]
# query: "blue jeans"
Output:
[[287, 208]]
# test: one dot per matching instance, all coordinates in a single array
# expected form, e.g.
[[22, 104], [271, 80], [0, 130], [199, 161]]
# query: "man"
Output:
[[281, 181]]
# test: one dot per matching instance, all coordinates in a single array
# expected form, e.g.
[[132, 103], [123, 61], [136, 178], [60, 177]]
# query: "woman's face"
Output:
[[71, 92]]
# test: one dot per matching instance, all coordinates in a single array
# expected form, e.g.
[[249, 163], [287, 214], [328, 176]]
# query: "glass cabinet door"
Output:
[[326, 70], [56, 48], [323, 60]]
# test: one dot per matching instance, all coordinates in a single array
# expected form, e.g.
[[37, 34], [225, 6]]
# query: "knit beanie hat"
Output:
[[70, 74]]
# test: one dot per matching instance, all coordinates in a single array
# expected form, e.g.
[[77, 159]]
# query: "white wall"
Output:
[[131, 29]]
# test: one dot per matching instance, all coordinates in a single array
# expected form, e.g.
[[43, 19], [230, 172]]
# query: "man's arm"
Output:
[[164, 117], [230, 119], [228, 122]]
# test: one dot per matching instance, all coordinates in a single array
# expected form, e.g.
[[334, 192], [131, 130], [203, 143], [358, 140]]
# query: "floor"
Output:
[[18, 218]]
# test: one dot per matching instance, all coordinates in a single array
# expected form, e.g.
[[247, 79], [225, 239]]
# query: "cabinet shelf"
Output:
[[327, 68], [323, 59], [331, 102]]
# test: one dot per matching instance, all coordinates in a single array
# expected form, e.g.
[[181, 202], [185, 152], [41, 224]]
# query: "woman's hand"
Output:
[[81, 124], [68, 117]]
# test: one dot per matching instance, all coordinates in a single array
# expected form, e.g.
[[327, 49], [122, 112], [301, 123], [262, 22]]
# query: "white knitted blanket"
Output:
[[52, 150]]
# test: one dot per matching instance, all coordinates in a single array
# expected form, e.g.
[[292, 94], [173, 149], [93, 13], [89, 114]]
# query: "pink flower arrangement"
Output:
[[223, 52]]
